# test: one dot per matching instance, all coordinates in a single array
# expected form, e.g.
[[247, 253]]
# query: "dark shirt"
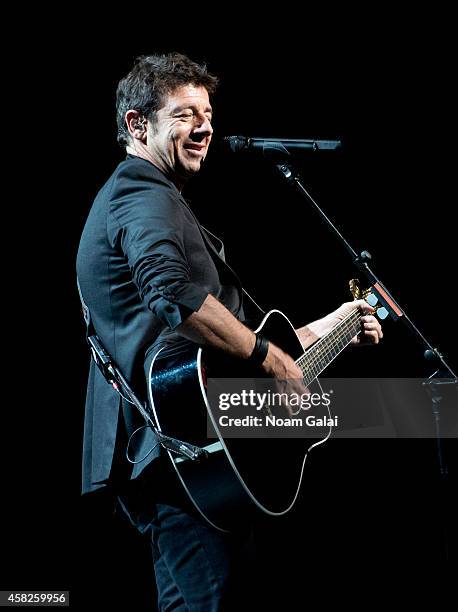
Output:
[[144, 264]]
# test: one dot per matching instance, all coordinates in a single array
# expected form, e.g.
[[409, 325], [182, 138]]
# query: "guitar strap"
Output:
[[221, 256], [90, 330], [99, 354], [206, 234]]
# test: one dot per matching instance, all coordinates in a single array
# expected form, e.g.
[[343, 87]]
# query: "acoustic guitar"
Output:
[[251, 471]]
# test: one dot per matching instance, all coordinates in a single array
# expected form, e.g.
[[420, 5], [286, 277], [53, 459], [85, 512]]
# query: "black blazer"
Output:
[[144, 264]]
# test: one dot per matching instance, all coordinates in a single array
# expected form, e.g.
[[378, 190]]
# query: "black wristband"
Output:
[[260, 350]]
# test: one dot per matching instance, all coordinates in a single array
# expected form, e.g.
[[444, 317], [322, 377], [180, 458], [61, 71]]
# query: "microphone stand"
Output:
[[361, 261], [433, 383]]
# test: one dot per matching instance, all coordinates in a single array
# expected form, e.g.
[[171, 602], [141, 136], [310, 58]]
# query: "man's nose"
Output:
[[203, 127]]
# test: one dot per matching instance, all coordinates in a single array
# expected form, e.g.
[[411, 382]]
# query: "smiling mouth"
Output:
[[194, 147]]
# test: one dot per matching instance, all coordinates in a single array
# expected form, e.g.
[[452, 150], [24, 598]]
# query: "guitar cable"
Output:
[[129, 441]]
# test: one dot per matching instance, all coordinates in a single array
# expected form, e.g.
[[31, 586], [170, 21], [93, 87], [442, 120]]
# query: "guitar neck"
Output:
[[317, 357]]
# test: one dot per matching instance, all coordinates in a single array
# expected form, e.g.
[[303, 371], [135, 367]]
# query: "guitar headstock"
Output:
[[370, 296]]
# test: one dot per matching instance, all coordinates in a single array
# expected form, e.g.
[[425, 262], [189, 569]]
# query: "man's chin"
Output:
[[190, 168]]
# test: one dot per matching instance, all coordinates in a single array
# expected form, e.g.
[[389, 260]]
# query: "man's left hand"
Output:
[[371, 330]]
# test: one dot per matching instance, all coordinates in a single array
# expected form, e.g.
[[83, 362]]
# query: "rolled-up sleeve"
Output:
[[147, 223]]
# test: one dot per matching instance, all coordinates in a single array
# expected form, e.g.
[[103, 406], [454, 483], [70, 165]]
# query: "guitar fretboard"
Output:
[[317, 357]]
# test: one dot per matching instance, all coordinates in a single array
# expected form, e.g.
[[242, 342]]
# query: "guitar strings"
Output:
[[333, 337], [316, 358], [315, 370]]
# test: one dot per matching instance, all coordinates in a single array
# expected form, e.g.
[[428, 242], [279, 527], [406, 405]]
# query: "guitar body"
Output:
[[239, 474]]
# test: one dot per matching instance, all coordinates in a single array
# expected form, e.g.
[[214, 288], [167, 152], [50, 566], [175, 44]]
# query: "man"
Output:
[[152, 276]]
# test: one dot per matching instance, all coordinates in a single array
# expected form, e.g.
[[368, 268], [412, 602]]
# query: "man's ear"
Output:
[[136, 125]]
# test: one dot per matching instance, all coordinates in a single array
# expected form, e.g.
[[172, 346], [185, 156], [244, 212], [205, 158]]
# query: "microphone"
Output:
[[278, 145]]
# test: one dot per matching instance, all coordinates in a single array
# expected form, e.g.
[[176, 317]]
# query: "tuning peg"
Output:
[[381, 312], [370, 298], [355, 289]]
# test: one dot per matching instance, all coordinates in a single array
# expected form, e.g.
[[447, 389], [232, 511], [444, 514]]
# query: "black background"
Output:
[[385, 89]]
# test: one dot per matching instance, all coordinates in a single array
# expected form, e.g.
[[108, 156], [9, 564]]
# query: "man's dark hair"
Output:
[[150, 80]]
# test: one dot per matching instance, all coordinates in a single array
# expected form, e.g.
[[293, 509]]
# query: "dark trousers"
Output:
[[197, 568]]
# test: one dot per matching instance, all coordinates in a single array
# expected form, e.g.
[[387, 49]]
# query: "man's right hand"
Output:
[[288, 375], [280, 365]]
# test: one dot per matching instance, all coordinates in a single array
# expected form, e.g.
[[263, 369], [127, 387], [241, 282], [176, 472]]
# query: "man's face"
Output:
[[178, 142]]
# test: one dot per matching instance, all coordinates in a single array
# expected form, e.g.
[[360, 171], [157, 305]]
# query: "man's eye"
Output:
[[185, 116]]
